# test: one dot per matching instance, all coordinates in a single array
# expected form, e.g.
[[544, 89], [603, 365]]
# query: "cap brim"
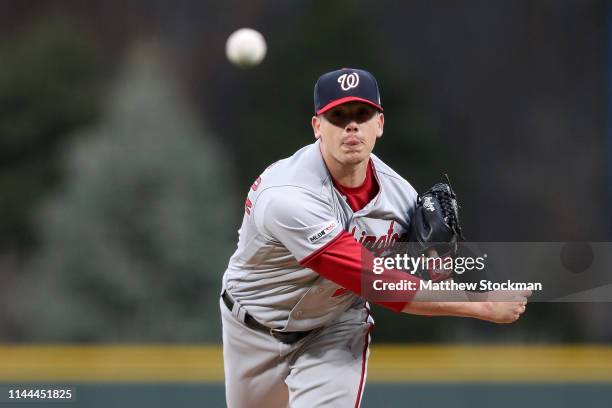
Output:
[[341, 101]]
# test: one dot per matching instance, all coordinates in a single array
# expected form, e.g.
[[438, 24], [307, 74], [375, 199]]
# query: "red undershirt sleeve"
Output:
[[345, 262]]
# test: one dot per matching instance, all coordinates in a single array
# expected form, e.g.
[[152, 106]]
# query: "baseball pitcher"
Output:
[[296, 321]]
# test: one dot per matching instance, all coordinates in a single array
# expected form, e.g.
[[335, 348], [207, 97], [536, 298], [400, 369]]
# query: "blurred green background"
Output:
[[128, 143]]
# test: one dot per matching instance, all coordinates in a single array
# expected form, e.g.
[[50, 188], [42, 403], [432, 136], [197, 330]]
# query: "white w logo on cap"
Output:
[[348, 81]]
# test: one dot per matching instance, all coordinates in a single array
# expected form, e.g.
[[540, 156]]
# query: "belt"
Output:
[[249, 321]]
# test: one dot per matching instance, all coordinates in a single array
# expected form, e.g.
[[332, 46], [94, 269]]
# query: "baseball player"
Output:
[[296, 321]]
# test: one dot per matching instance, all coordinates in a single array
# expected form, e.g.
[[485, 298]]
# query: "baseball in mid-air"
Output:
[[245, 47]]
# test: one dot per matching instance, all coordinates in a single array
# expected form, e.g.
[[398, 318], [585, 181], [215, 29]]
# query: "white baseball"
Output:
[[245, 47]]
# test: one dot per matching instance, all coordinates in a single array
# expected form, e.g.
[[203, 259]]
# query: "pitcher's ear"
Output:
[[381, 124], [316, 126]]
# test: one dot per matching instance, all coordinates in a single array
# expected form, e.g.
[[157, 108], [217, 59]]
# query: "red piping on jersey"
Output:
[[363, 367], [364, 357], [346, 99]]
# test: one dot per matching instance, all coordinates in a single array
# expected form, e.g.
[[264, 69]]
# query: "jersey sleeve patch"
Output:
[[322, 230]]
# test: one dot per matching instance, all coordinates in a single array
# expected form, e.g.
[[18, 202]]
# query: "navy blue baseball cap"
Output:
[[345, 85]]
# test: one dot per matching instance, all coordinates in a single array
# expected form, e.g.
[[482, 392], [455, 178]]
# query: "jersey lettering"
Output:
[[247, 206], [256, 184], [378, 243]]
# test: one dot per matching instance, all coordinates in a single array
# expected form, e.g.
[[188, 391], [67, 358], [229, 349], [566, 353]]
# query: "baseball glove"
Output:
[[435, 224]]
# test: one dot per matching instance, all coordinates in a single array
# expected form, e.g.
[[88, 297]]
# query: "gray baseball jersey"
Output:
[[293, 211]]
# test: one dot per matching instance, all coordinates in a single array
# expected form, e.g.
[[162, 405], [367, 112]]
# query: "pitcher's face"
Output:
[[348, 132]]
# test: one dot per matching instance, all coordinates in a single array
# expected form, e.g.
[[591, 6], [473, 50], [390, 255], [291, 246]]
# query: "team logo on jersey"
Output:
[[428, 204], [380, 244], [326, 229], [348, 81]]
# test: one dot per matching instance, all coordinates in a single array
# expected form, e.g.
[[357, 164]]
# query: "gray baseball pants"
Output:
[[327, 368]]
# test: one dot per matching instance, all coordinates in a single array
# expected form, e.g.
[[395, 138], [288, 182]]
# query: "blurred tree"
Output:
[[50, 74], [484, 92], [134, 248]]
